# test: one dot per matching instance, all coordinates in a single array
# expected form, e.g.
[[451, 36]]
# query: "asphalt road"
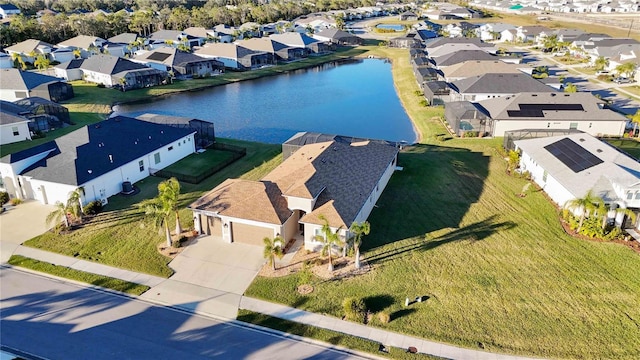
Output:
[[57, 320]]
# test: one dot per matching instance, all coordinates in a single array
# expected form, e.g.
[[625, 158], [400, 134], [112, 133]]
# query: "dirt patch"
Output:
[[319, 266], [172, 252], [305, 289]]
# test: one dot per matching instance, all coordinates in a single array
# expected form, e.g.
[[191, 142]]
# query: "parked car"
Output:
[[621, 80]]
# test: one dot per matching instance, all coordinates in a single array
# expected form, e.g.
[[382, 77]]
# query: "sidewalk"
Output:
[[384, 337]]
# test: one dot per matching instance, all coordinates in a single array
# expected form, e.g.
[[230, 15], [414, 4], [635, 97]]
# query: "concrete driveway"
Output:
[[211, 275], [21, 223]]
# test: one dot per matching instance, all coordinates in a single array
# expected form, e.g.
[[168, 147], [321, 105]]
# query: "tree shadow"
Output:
[[474, 232], [378, 303], [434, 190], [400, 313]]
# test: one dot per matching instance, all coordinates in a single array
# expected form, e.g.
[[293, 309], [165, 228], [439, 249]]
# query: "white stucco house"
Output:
[[566, 167], [13, 128], [337, 179], [97, 158]]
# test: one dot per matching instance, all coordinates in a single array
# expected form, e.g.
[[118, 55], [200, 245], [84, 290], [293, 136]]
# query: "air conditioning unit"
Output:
[[104, 201]]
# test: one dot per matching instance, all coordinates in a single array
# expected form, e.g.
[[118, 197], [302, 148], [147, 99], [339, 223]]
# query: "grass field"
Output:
[[85, 277], [630, 146], [198, 163]]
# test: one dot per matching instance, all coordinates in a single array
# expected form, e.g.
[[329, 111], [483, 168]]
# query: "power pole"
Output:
[[630, 25]]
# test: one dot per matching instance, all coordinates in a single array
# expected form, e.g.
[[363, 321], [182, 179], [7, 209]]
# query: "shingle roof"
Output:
[[463, 55], [94, 150], [445, 40], [616, 167], [108, 64], [294, 39], [231, 51], [81, 41], [124, 38], [71, 64], [452, 48], [263, 44], [174, 57], [497, 83], [169, 35], [479, 67], [593, 110], [335, 34], [15, 79], [10, 113], [27, 46]]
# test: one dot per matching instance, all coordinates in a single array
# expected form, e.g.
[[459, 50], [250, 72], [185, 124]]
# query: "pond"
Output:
[[394, 27], [357, 98]]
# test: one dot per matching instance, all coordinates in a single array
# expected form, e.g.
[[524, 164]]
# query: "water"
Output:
[[353, 99], [394, 27]]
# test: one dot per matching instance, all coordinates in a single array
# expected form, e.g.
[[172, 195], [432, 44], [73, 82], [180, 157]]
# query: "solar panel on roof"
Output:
[[548, 107], [574, 156], [158, 56]]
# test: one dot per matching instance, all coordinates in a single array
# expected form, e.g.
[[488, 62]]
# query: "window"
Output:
[[638, 195], [21, 94], [629, 195], [573, 125], [170, 148], [318, 232], [141, 165], [15, 131], [156, 157], [544, 177]]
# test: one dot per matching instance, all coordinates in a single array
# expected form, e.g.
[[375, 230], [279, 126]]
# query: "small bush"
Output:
[[15, 201], [424, 102], [101, 86], [443, 137], [418, 93], [4, 197], [176, 243], [354, 309], [305, 275], [470, 134], [384, 317], [93, 208]]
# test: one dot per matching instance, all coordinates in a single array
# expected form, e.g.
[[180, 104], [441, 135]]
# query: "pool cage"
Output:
[[514, 135]]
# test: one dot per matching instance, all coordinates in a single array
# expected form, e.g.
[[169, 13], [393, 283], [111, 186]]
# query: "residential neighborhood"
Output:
[[190, 179]]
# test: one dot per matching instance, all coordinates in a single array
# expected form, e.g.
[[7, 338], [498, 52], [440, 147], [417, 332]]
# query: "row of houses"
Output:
[[558, 6]]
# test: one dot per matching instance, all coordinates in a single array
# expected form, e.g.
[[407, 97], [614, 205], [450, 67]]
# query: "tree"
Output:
[[273, 249], [62, 211], [587, 204], [18, 62], [635, 119], [42, 62], [74, 204], [329, 239], [570, 88], [57, 215], [626, 69], [551, 43], [601, 63], [358, 230], [340, 24], [160, 208], [627, 212], [77, 53]]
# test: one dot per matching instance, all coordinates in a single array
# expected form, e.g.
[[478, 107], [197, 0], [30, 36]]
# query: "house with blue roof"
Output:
[[7, 10], [101, 159]]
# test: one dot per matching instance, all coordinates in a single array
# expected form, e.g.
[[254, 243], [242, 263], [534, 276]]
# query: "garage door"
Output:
[[250, 234], [215, 226]]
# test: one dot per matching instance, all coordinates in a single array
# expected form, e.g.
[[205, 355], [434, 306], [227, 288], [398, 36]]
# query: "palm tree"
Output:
[[77, 53], [168, 194], [626, 69], [601, 63], [155, 210], [18, 61], [273, 249], [626, 212], [42, 62], [57, 215], [551, 42], [74, 204], [587, 204], [329, 239], [635, 119], [359, 229], [570, 88]]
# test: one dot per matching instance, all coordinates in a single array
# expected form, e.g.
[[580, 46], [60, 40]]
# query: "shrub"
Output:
[[384, 317], [469, 134], [4, 197], [101, 86], [418, 93], [305, 274], [354, 309], [93, 207], [15, 201], [443, 137], [424, 102]]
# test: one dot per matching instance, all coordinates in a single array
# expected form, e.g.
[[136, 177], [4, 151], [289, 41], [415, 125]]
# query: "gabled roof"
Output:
[[535, 30], [96, 149], [81, 41], [335, 34], [108, 64], [124, 38], [461, 56], [15, 79], [171, 57], [616, 167], [478, 67], [71, 64], [263, 44], [11, 113], [197, 32], [230, 51], [27, 46], [549, 106], [445, 40], [174, 35], [294, 39], [452, 48], [500, 84]]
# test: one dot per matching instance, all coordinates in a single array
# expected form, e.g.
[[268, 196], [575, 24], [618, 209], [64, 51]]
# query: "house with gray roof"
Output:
[[493, 85], [235, 56], [98, 158], [87, 45], [436, 92], [295, 199], [566, 167], [174, 38], [280, 51], [462, 56], [30, 49], [338, 37], [299, 40], [180, 63], [552, 110], [16, 84], [69, 70], [122, 73], [14, 126]]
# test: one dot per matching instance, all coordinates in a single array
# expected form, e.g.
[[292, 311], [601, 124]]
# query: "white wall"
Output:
[[364, 212], [7, 136], [230, 63], [296, 203], [12, 95], [310, 243], [558, 193], [595, 128], [73, 74], [99, 78]]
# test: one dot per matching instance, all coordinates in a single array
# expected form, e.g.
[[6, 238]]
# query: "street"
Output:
[[57, 320]]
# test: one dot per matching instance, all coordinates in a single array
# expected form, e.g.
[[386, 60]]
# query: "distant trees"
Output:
[[570, 88], [626, 69]]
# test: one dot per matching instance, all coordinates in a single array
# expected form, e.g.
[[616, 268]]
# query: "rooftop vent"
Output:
[[582, 140], [599, 150]]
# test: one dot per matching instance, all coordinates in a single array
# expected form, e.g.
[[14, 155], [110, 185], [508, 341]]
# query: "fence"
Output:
[[238, 153]]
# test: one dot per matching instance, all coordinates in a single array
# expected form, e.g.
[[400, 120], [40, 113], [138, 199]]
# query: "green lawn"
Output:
[[498, 269], [122, 237], [630, 146], [329, 336], [85, 277], [197, 164]]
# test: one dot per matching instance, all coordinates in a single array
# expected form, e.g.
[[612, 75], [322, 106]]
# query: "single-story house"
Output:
[[436, 92], [118, 72], [338, 37], [14, 126], [30, 49], [471, 68], [174, 38], [234, 56], [7, 10], [336, 180], [408, 16], [299, 40], [88, 45], [492, 85], [16, 84], [180, 62], [566, 167], [552, 110], [280, 51], [96, 158], [69, 70]]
